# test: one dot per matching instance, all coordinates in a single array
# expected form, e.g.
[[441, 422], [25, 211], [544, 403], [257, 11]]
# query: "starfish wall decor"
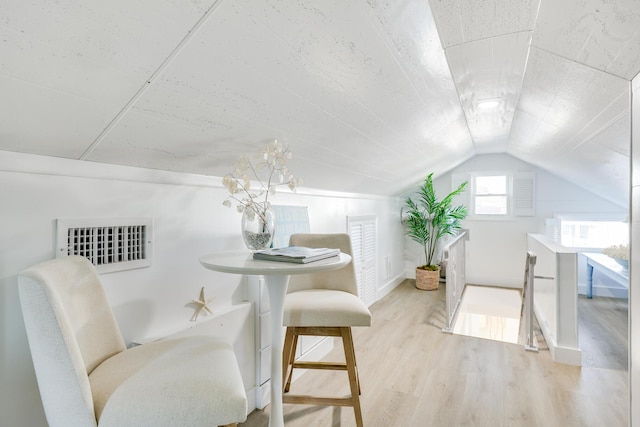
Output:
[[201, 304]]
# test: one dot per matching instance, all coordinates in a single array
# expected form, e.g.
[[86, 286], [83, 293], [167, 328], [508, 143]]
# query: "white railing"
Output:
[[555, 299], [526, 311], [453, 255]]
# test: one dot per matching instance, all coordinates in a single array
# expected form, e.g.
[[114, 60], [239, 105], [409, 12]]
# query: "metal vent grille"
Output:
[[110, 244]]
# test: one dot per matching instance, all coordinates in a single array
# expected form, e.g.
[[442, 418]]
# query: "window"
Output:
[[497, 195], [593, 234], [491, 195]]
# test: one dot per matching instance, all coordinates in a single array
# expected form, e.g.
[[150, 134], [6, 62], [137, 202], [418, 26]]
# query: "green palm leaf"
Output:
[[428, 219]]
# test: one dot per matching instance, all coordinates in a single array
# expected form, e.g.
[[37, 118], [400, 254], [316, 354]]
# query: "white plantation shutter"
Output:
[[524, 192], [369, 262], [355, 231], [363, 239]]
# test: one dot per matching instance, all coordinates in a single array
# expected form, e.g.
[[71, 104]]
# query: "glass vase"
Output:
[[258, 227]]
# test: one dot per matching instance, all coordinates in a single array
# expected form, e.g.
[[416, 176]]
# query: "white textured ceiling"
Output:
[[369, 95]]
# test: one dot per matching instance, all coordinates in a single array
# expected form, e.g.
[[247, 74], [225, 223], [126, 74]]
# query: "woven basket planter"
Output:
[[427, 280]]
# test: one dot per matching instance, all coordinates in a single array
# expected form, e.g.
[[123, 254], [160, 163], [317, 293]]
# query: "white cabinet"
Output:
[[257, 293]]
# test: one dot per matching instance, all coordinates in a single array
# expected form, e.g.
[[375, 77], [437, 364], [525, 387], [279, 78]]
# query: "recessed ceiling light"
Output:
[[485, 104]]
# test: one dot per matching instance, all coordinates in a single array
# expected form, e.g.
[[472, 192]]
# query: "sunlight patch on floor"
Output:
[[490, 313]]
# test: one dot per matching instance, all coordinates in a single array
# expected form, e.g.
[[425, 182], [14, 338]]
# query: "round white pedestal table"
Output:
[[277, 279]]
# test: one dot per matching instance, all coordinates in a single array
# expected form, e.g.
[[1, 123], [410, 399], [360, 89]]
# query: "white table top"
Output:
[[242, 262], [606, 262]]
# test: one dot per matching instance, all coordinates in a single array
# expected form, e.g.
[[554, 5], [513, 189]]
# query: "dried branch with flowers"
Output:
[[269, 171]]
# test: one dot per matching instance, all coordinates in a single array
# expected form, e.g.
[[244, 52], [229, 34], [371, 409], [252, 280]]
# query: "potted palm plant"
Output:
[[428, 220]]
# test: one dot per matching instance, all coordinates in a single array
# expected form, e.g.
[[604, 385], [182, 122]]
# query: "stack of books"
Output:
[[296, 254]]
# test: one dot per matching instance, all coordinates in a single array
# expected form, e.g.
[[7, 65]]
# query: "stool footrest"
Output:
[[320, 365], [318, 331], [349, 365], [314, 400]]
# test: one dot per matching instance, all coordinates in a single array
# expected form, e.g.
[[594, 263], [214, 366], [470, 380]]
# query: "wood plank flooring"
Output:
[[414, 375], [603, 332]]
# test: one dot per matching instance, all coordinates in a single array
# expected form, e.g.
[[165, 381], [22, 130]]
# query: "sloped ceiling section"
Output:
[[369, 95]]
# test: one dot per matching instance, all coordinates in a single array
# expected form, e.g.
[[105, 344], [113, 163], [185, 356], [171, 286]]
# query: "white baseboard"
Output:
[[389, 286], [262, 396], [604, 291], [566, 355], [252, 393]]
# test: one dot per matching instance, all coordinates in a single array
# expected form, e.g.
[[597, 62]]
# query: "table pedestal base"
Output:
[[277, 288]]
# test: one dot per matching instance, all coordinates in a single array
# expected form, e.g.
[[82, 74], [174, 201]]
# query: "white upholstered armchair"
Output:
[[87, 377]]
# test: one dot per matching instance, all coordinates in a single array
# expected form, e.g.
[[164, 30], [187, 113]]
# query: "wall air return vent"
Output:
[[111, 244]]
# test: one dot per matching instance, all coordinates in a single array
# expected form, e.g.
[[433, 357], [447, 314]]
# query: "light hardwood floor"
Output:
[[414, 375]]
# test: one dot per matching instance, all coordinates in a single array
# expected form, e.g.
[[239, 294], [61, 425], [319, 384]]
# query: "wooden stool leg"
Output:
[[289, 357], [349, 353], [286, 354], [292, 360], [355, 362]]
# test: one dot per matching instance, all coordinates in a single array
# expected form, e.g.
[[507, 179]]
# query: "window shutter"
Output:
[[363, 239], [355, 231], [524, 194], [369, 262]]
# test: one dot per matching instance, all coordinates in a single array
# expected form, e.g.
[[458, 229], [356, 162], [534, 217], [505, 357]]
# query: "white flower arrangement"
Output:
[[270, 171], [617, 252]]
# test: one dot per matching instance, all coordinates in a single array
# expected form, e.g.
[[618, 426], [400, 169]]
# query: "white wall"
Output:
[[189, 221], [496, 250]]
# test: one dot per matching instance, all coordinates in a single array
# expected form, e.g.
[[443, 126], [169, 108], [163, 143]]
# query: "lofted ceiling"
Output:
[[369, 95]]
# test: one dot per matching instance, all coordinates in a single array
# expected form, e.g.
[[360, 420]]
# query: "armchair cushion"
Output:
[[167, 382]]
